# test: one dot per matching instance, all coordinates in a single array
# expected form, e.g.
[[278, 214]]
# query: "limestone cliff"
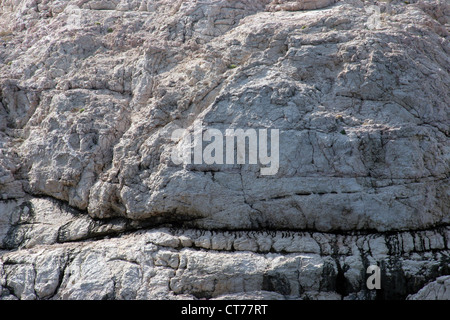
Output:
[[92, 205]]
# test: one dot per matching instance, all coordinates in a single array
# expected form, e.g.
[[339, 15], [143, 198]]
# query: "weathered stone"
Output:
[[93, 207], [436, 290]]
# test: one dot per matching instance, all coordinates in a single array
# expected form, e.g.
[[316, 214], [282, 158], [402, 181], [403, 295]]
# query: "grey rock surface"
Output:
[[172, 263], [436, 290], [93, 207]]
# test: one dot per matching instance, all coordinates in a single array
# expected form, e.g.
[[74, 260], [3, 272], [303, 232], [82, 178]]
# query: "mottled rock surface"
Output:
[[436, 290], [92, 207]]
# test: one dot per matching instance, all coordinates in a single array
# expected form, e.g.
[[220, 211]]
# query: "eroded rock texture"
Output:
[[92, 207]]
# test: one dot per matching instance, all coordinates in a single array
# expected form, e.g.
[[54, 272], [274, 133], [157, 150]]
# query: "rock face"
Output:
[[94, 207], [437, 290]]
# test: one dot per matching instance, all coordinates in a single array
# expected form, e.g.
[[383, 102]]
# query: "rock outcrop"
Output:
[[92, 205], [437, 290]]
